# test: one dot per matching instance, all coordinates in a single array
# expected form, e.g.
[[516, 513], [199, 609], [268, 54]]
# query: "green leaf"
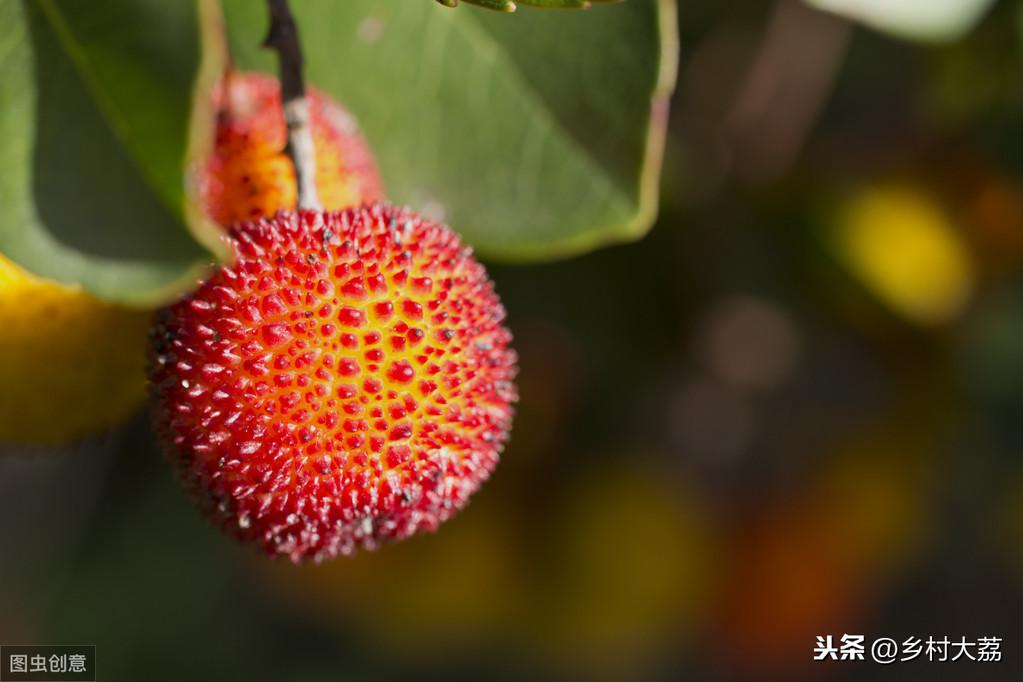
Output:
[[95, 106], [499, 5], [535, 134], [927, 20]]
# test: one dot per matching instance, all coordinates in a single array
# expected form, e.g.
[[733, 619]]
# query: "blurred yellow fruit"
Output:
[[425, 597], [622, 568], [904, 249], [70, 365], [631, 572], [875, 491]]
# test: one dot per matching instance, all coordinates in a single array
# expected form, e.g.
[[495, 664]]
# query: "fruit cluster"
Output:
[[347, 379]]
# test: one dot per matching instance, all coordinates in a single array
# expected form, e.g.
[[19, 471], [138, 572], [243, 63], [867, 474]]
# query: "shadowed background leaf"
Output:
[[94, 115]]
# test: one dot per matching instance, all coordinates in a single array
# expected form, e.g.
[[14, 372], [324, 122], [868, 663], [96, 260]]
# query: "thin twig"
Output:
[[283, 37]]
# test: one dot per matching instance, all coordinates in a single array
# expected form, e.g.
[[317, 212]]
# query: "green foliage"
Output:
[[95, 101], [539, 134], [535, 135]]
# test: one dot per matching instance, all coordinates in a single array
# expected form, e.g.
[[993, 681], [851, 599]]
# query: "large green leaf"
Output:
[[539, 134], [95, 104]]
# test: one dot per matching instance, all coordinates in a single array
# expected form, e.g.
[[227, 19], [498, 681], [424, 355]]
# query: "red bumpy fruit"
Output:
[[347, 381]]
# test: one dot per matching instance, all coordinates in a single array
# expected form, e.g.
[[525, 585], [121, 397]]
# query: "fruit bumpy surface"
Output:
[[347, 381], [70, 365], [249, 175]]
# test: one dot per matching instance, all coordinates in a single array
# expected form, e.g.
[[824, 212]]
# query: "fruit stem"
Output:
[[283, 37]]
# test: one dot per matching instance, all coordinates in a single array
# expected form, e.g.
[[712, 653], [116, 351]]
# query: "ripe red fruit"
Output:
[[347, 381], [248, 174]]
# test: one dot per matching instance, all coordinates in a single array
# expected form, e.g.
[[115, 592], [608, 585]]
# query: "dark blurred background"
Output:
[[794, 409]]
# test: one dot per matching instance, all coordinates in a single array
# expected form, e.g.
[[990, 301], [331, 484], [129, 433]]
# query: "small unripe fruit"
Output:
[[347, 381], [248, 174]]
